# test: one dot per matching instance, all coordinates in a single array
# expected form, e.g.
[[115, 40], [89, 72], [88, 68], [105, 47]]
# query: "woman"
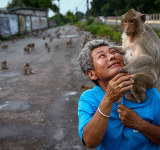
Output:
[[107, 120]]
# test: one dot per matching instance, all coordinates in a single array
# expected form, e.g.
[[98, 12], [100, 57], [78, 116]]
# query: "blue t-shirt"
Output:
[[117, 136]]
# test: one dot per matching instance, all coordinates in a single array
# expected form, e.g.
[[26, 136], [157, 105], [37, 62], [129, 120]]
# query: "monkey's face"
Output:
[[129, 25]]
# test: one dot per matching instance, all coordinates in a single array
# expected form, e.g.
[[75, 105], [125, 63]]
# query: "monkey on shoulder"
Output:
[[141, 47]]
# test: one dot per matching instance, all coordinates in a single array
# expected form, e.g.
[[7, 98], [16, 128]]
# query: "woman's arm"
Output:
[[95, 129], [131, 119]]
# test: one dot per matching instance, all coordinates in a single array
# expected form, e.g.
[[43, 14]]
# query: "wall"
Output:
[[10, 24]]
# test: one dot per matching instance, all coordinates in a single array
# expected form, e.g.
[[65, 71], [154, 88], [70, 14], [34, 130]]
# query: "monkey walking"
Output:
[[141, 47], [4, 65], [4, 47]]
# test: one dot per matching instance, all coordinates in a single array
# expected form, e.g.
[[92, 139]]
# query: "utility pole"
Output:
[[88, 10], [59, 9], [87, 6]]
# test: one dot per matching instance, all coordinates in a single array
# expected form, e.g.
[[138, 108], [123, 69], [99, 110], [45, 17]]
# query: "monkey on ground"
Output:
[[4, 47], [141, 47], [84, 88], [57, 46], [27, 70], [43, 37], [26, 50], [32, 45], [48, 48], [4, 65], [46, 44]]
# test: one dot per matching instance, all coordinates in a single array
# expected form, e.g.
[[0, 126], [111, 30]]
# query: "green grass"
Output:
[[101, 29]]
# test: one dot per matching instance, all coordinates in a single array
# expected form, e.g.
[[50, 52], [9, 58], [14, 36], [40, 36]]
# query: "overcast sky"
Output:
[[65, 5]]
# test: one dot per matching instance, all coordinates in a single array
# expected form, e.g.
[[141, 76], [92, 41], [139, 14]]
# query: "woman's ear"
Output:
[[91, 74]]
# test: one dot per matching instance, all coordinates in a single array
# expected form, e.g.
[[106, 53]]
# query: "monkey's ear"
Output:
[[143, 17], [91, 74]]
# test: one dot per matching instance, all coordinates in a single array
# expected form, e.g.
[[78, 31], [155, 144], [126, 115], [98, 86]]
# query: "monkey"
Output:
[[26, 50], [141, 47], [46, 44], [43, 37], [4, 47], [48, 48], [32, 45], [84, 88], [51, 39], [57, 46], [27, 70], [4, 65], [0, 42]]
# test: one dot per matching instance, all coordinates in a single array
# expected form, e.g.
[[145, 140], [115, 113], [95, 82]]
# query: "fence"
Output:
[[10, 24], [150, 19]]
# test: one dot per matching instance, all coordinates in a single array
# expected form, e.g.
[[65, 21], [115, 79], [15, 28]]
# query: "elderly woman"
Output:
[[107, 120]]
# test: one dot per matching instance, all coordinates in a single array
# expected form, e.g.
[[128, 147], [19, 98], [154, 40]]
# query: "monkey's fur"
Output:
[[141, 47], [4, 65], [27, 70]]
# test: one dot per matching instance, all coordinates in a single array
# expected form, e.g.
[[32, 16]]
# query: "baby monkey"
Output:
[[141, 47], [4, 65]]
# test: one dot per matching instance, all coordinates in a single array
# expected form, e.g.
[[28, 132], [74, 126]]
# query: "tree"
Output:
[[71, 17], [15, 3], [34, 4], [80, 15]]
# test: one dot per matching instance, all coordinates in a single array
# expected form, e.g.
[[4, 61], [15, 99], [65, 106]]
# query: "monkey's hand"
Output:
[[118, 49], [129, 117]]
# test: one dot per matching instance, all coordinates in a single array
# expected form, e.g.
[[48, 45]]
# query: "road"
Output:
[[39, 111]]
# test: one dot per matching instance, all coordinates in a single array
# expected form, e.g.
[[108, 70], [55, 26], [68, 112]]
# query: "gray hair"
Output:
[[85, 59]]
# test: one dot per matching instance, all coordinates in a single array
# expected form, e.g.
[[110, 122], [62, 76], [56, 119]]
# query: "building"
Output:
[[31, 11]]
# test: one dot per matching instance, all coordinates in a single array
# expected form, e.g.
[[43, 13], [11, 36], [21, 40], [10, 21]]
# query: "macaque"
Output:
[[26, 50], [4, 47], [69, 43], [51, 39], [32, 45], [48, 48], [46, 44], [27, 70], [57, 46], [141, 47], [43, 37], [84, 88], [4, 65]]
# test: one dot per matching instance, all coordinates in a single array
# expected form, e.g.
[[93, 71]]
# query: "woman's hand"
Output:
[[118, 85], [129, 117]]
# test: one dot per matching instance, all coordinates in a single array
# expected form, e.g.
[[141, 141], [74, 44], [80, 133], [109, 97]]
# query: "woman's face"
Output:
[[107, 62]]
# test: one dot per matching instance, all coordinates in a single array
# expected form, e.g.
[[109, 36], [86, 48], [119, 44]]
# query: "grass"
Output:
[[103, 30]]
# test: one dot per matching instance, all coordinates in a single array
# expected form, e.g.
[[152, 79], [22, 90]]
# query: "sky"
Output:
[[65, 5]]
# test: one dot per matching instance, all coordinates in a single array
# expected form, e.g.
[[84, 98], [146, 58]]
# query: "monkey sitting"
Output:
[[27, 70], [141, 47], [4, 65]]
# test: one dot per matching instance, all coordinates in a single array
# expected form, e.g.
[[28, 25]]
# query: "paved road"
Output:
[[39, 111]]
